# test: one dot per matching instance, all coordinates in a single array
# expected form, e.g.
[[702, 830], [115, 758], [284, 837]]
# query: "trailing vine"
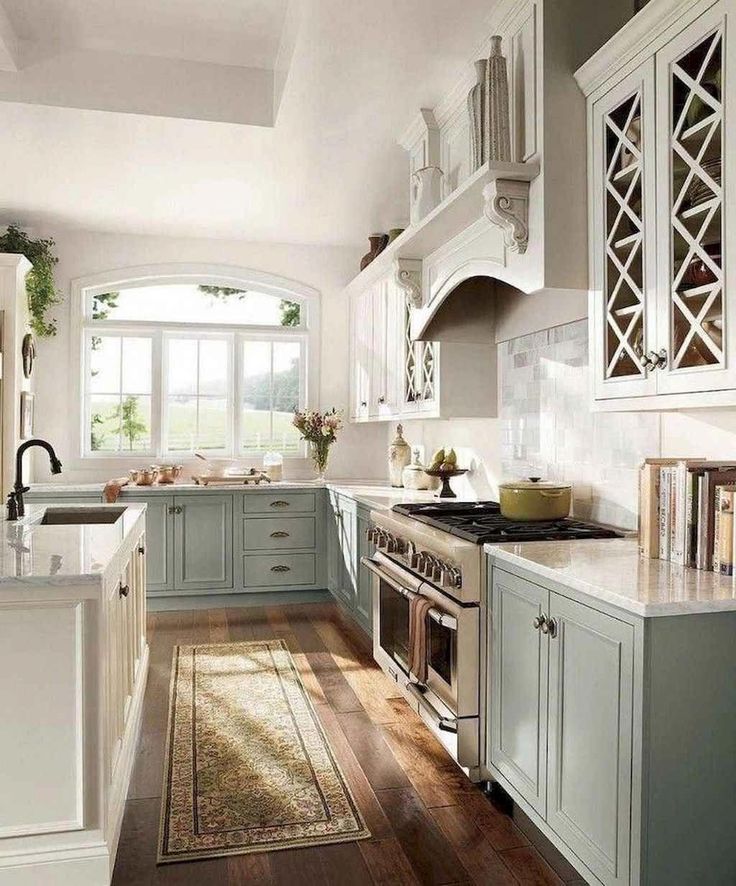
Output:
[[40, 287]]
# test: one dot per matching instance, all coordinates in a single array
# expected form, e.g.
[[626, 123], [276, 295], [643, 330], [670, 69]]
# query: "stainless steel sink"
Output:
[[80, 516]]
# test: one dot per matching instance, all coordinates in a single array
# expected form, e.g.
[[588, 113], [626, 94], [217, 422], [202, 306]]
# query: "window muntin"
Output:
[[119, 384], [270, 393], [173, 387]]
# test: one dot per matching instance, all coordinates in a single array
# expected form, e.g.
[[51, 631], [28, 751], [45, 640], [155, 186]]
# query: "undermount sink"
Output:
[[79, 516]]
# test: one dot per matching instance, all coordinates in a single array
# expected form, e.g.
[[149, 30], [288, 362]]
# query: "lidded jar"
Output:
[[399, 456]]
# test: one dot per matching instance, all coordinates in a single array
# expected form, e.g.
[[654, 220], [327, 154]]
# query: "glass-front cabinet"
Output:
[[660, 320]]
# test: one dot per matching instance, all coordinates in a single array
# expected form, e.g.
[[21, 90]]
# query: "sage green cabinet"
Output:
[[519, 668], [364, 590], [561, 712], [159, 541], [348, 581], [589, 740], [203, 542]]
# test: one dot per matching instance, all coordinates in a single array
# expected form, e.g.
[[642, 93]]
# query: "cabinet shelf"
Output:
[[454, 214]]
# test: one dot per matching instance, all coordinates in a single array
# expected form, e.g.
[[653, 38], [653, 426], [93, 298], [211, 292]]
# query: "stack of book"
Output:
[[686, 512]]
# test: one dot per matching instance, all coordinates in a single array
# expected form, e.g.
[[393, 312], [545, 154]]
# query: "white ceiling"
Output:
[[329, 171], [225, 32]]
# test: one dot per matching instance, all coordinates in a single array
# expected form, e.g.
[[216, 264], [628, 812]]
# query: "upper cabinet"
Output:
[[659, 120]]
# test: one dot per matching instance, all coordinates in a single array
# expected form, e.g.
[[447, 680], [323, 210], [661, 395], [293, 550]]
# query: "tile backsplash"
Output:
[[547, 428]]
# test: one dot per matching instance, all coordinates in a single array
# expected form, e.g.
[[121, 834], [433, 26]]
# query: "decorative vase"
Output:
[[399, 456], [320, 454], [426, 191], [477, 116], [378, 244], [497, 122]]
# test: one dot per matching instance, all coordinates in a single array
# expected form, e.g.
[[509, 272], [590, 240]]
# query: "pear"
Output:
[[451, 458], [437, 459]]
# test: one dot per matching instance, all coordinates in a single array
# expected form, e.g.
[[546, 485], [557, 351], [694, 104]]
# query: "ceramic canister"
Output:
[[399, 456]]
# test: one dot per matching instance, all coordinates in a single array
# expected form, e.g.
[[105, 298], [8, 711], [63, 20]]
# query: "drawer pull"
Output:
[[281, 568], [123, 590], [280, 503], [279, 533], [141, 549]]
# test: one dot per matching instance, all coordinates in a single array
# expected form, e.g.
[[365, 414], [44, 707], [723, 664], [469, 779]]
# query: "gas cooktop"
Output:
[[482, 522]]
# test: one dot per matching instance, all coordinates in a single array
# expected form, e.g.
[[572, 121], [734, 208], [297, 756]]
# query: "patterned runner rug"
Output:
[[248, 766]]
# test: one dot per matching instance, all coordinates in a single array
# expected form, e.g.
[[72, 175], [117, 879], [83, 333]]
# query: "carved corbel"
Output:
[[408, 275], [507, 205]]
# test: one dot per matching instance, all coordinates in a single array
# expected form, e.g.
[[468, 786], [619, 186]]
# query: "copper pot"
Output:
[[144, 476], [167, 473]]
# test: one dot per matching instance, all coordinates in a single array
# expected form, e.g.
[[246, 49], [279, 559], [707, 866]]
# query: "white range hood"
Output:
[[520, 228]]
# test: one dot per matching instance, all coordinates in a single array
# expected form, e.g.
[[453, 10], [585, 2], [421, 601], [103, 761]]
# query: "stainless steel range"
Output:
[[431, 556]]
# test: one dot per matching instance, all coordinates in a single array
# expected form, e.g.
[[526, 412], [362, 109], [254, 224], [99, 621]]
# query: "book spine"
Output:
[[726, 534], [679, 523], [701, 553], [664, 513], [649, 510], [717, 531], [691, 519]]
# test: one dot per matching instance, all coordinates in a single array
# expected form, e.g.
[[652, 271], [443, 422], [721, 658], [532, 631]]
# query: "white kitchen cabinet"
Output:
[[661, 172], [392, 377], [75, 670]]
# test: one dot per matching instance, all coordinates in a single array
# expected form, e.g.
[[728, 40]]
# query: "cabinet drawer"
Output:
[[279, 570], [279, 533], [280, 503]]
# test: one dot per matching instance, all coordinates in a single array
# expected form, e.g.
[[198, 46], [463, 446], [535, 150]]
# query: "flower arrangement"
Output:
[[319, 429]]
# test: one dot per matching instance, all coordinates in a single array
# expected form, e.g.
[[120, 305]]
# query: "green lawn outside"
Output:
[[182, 429]]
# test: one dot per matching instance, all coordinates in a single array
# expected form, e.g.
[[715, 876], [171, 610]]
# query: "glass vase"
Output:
[[320, 455]]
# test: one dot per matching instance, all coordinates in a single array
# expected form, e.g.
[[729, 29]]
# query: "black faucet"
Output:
[[16, 506]]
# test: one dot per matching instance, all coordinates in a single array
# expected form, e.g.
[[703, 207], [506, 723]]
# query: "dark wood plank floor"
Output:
[[429, 824]]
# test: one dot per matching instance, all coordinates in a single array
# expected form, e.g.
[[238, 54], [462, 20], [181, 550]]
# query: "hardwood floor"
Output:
[[429, 824]]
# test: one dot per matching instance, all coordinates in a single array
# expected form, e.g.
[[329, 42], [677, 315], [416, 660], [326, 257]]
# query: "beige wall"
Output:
[[360, 449]]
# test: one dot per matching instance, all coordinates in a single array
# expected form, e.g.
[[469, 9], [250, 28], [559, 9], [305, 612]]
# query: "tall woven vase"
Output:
[[498, 126], [477, 109]]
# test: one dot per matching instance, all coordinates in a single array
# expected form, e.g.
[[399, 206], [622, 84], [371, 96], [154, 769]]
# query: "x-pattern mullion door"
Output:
[[692, 127]]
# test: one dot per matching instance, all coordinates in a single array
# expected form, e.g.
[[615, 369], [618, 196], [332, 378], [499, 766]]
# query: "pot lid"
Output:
[[534, 483]]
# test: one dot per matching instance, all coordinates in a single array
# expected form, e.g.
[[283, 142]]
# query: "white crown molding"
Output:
[[635, 36]]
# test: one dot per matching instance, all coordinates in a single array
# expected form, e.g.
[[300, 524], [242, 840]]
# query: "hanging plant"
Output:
[[40, 286]]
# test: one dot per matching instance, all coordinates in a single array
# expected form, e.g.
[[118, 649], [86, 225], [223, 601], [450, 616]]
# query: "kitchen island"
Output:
[[73, 665]]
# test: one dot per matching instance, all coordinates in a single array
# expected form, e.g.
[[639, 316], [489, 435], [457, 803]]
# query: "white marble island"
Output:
[[73, 664]]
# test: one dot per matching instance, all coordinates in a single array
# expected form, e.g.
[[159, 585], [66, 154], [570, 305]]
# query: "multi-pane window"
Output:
[[177, 369]]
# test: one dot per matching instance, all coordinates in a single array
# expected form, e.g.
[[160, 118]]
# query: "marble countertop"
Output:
[[612, 570], [33, 554], [373, 494]]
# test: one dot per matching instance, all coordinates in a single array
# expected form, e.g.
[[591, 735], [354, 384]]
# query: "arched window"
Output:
[[177, 360]]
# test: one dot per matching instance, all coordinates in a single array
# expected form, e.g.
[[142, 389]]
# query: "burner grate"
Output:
[[483, 522]]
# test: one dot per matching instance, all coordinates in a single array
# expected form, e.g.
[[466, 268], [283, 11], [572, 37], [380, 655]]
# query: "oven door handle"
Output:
[[442, 618], [444, 724]]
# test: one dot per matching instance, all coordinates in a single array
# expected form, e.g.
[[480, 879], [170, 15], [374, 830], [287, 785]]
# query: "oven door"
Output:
[[453, 637]]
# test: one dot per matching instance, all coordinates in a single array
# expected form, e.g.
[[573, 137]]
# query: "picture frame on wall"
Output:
[[27, 400]]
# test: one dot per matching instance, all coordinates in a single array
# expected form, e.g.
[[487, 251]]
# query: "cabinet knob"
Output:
[[123, 590], [654, 360], [141, 549], [279, 533], [540, 622], [381, 401], [363, 404], [281, 568], [550, 627]]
